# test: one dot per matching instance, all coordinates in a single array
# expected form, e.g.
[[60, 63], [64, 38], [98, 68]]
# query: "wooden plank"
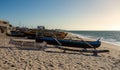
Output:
[[87, 51]]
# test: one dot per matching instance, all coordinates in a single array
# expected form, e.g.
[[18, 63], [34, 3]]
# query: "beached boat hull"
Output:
[[31, 34], [16, 34], [71, 43]]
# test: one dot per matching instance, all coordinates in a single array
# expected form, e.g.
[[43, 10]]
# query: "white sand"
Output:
[[12, 58]]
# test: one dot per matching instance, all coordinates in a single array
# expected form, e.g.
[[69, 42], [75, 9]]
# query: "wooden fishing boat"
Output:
[[31, 34], [16, 34], [71, 43]]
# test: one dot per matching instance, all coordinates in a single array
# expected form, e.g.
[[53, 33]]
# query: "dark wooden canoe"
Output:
[[16, 34], [70, 43]]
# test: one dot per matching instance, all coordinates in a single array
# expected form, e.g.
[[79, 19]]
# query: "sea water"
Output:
[[112, 37]]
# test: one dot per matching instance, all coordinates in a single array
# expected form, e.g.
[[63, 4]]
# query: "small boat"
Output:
[[31, 34], [16, 34], [69, 43]]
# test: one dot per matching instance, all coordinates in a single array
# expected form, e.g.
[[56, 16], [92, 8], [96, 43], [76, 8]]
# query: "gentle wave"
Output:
[[103, 39]]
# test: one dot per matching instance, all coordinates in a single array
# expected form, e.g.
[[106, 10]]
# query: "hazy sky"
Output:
[[63, 14]]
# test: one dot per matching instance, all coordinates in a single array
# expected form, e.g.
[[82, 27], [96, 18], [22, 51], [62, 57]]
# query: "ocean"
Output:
[[112, 37]]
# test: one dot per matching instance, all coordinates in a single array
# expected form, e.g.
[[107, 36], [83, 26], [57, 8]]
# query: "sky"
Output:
[[62, 14]]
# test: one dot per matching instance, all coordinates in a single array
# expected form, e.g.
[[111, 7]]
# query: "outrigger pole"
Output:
[[72, 43], [56, 40], [95, 52], [88, 43]]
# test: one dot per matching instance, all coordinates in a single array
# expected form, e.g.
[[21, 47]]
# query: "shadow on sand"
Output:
[[48, 51]]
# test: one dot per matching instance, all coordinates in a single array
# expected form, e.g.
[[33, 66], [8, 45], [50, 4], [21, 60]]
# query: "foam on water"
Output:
[[104, 39]]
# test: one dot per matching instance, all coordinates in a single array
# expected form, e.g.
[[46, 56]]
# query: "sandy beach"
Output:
[[13, 58]]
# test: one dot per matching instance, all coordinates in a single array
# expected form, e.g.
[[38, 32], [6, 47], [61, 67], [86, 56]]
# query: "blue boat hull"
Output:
[[70, 43]]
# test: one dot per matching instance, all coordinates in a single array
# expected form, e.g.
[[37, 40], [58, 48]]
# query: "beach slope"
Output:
[[12, 58]]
